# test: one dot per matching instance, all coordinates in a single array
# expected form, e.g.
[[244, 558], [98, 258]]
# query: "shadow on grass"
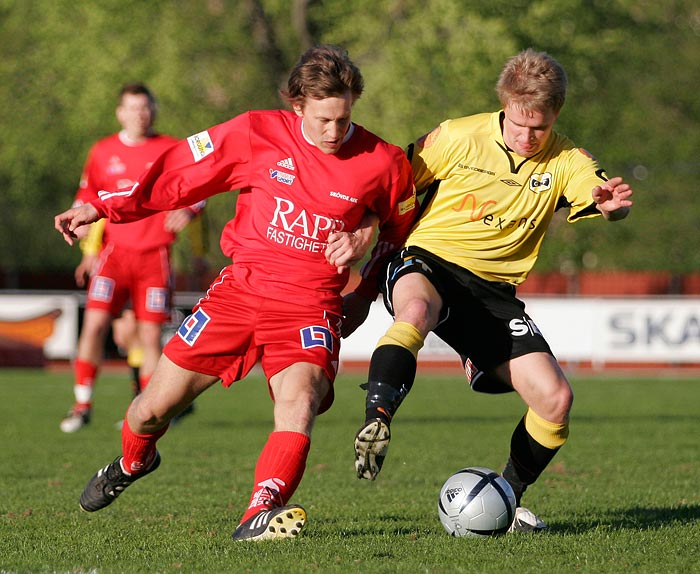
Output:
[[615, 519], [383, 525], [636, 518]]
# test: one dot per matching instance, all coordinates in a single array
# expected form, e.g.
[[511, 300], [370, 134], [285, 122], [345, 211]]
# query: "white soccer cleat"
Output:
[[526, 521], [75, 420]]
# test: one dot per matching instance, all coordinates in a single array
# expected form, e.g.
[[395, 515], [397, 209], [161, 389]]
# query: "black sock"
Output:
[[527, 460], [392, 371]]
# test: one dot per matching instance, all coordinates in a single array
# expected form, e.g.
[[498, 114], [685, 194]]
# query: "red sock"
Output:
[[279, 470], [85, 374], [138, 450]]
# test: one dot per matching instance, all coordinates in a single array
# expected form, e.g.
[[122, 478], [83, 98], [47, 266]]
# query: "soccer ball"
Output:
[[476, 501]]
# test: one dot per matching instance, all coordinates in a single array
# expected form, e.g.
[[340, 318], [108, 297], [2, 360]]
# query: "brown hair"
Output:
[[532, 81], [137, 89], [322, 72]]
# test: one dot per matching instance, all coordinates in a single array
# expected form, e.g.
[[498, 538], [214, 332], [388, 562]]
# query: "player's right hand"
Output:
[[84, 269], [73, 224]]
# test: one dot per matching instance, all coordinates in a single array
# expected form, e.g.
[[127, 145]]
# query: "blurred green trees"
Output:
[[633, 65]]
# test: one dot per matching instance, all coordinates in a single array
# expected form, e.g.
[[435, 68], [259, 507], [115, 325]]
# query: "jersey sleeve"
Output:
[[205, 164], [397, 211], [430, 157], [585, 175]]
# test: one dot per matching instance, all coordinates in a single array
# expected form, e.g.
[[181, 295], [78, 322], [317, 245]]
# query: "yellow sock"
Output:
[[548, 434], [404, 335]]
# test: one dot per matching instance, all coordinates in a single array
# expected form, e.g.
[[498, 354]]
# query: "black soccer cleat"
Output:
[[371, 446], [110, 482], [275, 524]]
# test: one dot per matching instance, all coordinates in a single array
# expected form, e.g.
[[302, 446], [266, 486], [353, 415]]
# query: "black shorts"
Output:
[[482, 320]]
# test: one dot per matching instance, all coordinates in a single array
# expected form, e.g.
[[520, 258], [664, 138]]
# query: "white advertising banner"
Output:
[[600, 330], [41, 320]]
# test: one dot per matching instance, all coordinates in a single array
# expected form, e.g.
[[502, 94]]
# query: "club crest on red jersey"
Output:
[[200, 145]]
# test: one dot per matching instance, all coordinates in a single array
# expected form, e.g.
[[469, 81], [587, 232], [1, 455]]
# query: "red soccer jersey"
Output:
[[291, 197], [114, 164]]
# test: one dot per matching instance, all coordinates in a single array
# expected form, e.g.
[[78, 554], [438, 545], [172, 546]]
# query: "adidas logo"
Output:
[[286, 163], [452, 493]]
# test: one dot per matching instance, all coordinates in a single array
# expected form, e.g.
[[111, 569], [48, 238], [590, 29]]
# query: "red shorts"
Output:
[[230, 330], [140, 276]]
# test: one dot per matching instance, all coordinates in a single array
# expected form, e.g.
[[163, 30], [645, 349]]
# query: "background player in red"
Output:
[[312, 185], [129, 261]]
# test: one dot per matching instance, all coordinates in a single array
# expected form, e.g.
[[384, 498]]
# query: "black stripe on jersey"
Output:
[[429, 193], [513, 167]]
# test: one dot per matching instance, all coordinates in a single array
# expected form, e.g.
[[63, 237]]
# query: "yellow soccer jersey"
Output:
[[491, 208]]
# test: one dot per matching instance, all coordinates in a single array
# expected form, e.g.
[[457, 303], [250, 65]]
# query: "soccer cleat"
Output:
[[75, 420], [371, 446], [526, 521], [110, 482], [275, 524]]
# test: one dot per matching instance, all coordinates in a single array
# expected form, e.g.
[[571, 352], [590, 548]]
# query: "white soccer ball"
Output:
[[476, 501]]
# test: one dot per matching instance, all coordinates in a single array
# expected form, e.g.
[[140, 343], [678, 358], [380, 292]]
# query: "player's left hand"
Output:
[[74, 223], [612, 198], [345, 249]]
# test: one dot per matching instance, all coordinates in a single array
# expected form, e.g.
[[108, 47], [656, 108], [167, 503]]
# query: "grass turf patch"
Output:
[[622, 495]]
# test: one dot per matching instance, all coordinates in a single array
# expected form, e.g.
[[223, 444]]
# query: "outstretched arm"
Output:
[[612, 199]]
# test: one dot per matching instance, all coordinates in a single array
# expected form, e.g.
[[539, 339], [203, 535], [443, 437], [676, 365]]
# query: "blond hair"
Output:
[[532, 80]]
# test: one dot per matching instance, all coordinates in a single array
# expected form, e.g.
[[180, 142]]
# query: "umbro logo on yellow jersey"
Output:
[[511, 182]]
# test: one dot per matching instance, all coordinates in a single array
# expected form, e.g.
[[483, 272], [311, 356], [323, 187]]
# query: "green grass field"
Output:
[[622, 496]]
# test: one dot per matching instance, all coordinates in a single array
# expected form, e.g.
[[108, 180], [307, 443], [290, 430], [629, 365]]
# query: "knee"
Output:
[[421, 313], [296, 416], [144, 417], [560, 402], [95, 329]]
